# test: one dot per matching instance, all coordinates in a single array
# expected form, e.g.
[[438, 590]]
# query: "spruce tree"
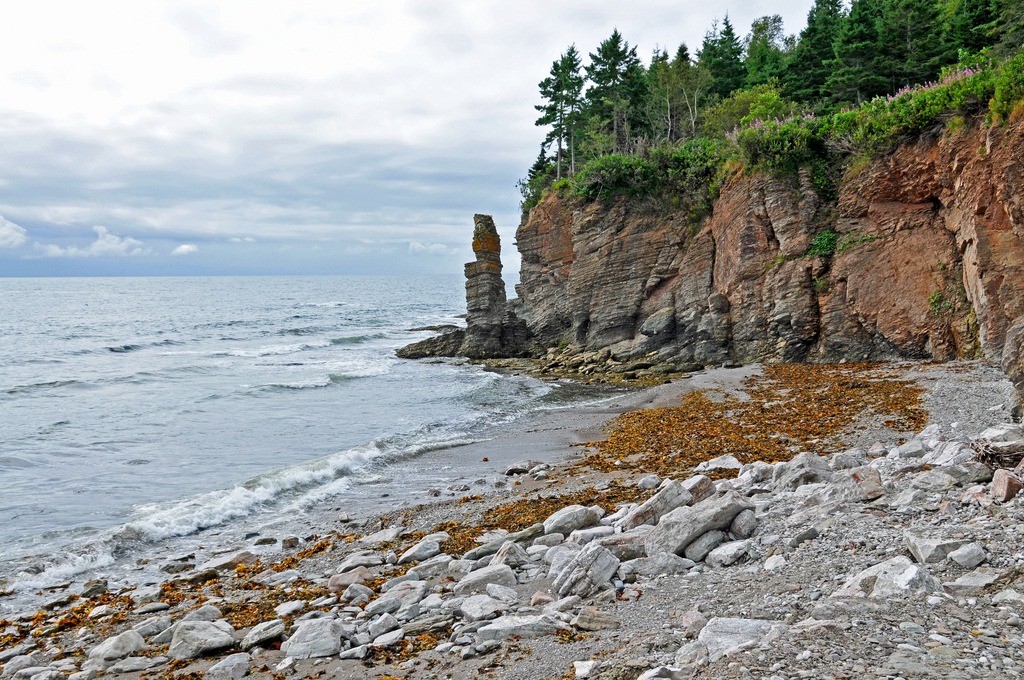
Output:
[[971, 26], [562, 91], [722, 55], [910, 41], [618, 86], [810, 66], [856, 71]]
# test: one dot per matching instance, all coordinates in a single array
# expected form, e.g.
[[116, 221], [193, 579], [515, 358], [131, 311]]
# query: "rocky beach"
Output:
[[873, 551]]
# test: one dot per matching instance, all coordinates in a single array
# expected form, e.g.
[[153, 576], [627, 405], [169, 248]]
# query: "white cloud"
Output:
[[105, 245], [11, 235], [185, 249], [430, 248]]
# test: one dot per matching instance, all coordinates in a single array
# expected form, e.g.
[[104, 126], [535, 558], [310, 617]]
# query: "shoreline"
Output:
[[548, 436]]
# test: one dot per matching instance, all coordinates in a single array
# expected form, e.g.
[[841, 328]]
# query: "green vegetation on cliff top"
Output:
[[854, 82]]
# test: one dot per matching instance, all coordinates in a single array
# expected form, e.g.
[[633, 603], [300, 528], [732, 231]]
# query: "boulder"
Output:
[[522, 626], [423, 550], [1005, 485], [593, 619], [657, 565], [804, 468], [262, 633], [892, 578], [573, 517], [700, 487], [681, 526], [192, 639], [482, 608], [234, 667], [314, 638], [339, 582], [229, 562], [744, 524], [476, 581], [671, 496], [118, 647], [727, 554], [511, 554], [588, 571], [930, 550], [722, 636], [699, 549], [969, 556]]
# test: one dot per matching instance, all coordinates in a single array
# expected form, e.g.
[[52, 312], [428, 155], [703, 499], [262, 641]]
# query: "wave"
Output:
[[121, 349], [309, 330], [357, 339], [35, 387], [272, 350], [300, 385]]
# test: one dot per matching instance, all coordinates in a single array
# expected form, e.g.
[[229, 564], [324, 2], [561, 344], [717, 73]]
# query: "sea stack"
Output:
[[485, 293]]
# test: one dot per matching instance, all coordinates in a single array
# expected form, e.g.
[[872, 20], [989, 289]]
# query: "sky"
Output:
[[300, 137]]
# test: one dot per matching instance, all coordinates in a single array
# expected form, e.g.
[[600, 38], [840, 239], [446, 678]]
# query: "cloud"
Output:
[[105, 245], [430, 248], [185, 249], [11, 235]]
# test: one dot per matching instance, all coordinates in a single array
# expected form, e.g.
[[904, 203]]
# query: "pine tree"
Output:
[[764, 46], [562, 91], [1009, 27], [856, 71], [809, 69], [618, 87], [721, 55]]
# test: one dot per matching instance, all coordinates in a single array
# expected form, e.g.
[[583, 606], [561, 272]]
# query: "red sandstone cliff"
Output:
[[930, 263]]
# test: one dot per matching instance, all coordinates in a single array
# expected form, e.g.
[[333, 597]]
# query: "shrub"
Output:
[[824, 243], [615, 174]]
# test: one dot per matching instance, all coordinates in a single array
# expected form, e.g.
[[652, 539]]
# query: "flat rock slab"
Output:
[[234, 667], [118, 647], [672, 495], [262, 633], [521, 626], [568, 519], [722, 635]]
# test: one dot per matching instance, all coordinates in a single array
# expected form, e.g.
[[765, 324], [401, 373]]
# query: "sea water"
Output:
[[137, 410]]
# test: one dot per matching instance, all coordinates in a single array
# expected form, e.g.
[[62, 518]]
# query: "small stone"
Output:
[[593, 619]]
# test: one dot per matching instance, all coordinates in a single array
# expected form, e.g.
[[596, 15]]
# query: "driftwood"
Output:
[[998, 455]]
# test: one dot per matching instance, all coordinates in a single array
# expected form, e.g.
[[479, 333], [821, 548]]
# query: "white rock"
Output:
[[930, 550], [1005, 432], [587, 572], [723, 635], [482, 608], [584, 669], [314, 638], [262, 633], [680, 527], [727, 554], [662, 563], [774, 562], [522, 626], [671, 496], [726, 462], [744, 524], [388, 639], [503, 593], [568, 519], [703, 545], [583, 536], [290, 608], [969, 556], [195, 638], [118, 647], [892, 578], [381, 625], [423, 550], [234, 667], [476, 581], [510, 553]]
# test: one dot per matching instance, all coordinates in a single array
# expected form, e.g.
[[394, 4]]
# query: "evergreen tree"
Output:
[[562, 91], [765, 56], [618, 86], [856, 72], [721, 55], [971, 26], [910, 41], [1010, 26], [809, 68]]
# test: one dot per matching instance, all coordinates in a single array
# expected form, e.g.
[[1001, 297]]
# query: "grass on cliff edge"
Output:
[[791, 408]]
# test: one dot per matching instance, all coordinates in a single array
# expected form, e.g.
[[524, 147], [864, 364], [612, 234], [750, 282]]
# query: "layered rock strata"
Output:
[[927, 262]]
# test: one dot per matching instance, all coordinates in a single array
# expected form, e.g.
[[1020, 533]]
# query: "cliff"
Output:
[[926, 261]]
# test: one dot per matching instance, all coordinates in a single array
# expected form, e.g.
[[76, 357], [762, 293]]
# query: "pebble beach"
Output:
[[878, 553]]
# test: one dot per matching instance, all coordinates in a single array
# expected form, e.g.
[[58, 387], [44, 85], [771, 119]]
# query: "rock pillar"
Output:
[[485, 293]]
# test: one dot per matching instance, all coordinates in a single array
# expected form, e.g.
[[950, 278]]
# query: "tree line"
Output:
[[843, 57]]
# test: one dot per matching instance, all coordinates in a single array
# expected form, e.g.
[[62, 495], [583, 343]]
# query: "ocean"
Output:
[[136, 412]]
